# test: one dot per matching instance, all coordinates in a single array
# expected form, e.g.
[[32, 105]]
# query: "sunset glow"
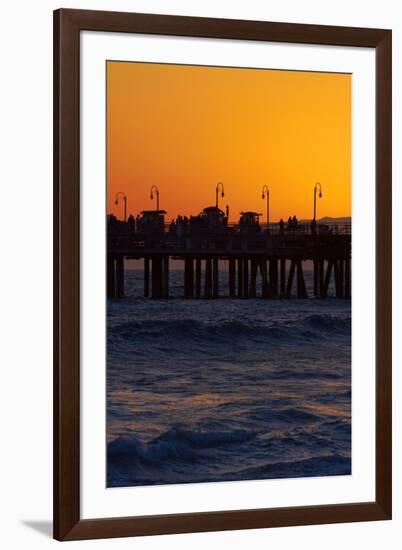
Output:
[[185, 128]]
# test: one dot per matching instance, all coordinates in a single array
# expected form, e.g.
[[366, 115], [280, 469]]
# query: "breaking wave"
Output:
[[311, 326]]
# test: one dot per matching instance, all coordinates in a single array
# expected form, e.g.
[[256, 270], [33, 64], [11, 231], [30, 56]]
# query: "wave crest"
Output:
[[175, 443], [177, 330]]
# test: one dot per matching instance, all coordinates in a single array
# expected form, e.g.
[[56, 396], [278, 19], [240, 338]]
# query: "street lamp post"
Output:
[[265, 192], [155, 190], [118, 195], [220, 185], [317, 186]]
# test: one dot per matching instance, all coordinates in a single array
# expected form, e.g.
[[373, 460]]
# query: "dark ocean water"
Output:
[[218, 390]]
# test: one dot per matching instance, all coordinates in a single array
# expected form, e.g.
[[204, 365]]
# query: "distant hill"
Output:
[[331, 221], [328, 219]]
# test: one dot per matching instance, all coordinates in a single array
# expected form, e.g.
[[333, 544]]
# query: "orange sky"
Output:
[[184, 128]]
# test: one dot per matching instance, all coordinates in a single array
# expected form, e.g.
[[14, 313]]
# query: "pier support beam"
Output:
[[341, 278], [198, 277], [316, 278], [320, 277], [232, 278], [264, 279], [253, 278], [156, 278], [120, 276], [208, 278], [111, 277], [301, 286], [290, 278], [165, 268], [240, 277], [283, 276], [215, 277], [347, 279], [273, 276], [336, 277], [146, 277], [188, 278], [324, 292], [245, 278]]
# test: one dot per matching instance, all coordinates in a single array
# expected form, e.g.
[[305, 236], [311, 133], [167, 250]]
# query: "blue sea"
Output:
[[226, 389]]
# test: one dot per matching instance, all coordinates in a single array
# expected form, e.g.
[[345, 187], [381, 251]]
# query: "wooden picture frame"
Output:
[[68, 524]]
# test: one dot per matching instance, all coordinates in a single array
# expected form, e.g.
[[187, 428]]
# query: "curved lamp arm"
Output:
[[116, 201], [219, 186], [155, 190]]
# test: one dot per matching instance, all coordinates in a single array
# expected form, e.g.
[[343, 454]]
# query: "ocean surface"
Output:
[[219, 390]]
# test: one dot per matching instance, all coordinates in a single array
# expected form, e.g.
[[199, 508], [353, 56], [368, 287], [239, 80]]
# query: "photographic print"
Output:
[[228, 274]]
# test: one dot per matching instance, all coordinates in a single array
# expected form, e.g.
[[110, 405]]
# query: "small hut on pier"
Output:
[[213, 216], [209, 225], [250, 222], [152, 224]]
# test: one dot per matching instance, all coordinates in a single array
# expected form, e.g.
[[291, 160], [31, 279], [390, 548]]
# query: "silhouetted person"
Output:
[[290, 224], [179, 229], [281, 226]]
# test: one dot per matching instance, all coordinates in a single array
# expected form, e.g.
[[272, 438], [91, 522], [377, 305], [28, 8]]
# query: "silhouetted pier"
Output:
[[265, 262]]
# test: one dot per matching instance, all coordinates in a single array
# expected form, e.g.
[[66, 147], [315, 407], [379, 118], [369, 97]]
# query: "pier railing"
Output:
[[302, 228], [275, 228], [122, 236]]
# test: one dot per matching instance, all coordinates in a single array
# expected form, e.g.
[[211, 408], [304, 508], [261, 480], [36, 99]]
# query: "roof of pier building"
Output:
[[153, 213], [250, 215], [213, 210]]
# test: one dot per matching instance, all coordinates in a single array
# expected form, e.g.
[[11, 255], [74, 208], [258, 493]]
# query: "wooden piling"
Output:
[[336, 278], [240, 277], [215, 277], [301, 286], [320, 277], [165, 268], [283, 276], [290, 278], [273, 276], [253, 278], [316, 278], [146, 277], [232, 277], [156, 277], [324, 292], [270, 275], [245, 278], [120, 276], [188, 278], [191, 277], [208, 278], [347, 278], [264, 278], [198, 277], [341, 278], [111, 277]]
